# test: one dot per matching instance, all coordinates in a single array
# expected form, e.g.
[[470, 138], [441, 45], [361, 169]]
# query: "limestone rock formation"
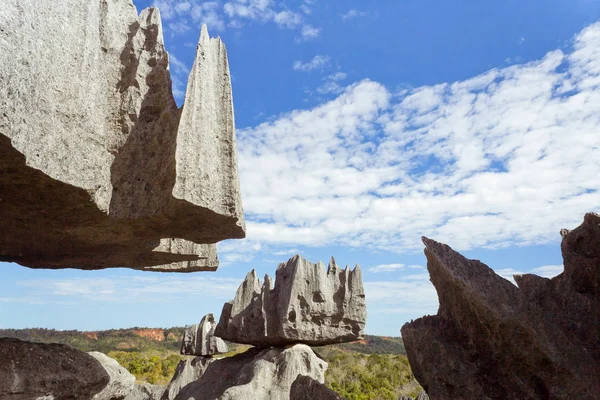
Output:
[[121, 383], [200, 339], [187, 371], [493, 340], [55, 371], [307, 305], [256, 374], [98, 166], [306, 388]]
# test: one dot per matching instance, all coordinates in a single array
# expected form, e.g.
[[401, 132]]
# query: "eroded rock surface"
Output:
[[493, 340], [306, 388], [98, 166], [256, 374], [37, 370], [187, 371], [121, 382], [307, 305], [200, 339]]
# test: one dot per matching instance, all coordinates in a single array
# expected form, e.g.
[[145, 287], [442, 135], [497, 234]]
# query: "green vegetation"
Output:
[[358, 376], [375, 368], [152, 368]]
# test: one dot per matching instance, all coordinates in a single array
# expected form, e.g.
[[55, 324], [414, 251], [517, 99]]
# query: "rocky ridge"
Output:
[[494, 340], [307, 305], [109, 172]]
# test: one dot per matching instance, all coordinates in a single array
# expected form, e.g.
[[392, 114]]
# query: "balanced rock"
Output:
[[307, 305], [200, 339], [493, 340], [256, 374], [53, 371], [98, 166]]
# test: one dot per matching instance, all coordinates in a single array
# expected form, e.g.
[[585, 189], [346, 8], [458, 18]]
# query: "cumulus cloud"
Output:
[[317, 62], [217, 15], [505, 158]]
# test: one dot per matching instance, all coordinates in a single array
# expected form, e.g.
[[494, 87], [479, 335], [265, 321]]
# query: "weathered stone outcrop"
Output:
[[306, 388], [98, 166], [121, 385], [200, 339], [307, 305], [256, 374], [121, 382], [36, 370], [493, 340], [187, 371]]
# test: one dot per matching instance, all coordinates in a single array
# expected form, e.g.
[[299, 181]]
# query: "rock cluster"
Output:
[[307, 305], [493, 340], [98, 166], [200, 339]]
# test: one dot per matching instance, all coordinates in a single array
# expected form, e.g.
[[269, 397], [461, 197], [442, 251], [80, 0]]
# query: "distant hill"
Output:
[[168, 339], [373, 368]]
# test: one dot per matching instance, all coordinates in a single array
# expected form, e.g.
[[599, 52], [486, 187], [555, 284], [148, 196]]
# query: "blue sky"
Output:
[[363, 126]]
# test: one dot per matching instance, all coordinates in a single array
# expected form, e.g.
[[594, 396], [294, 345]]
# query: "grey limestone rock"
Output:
[[256, 374], [121, 381], [51, 371], [188, 371], [493, 340], [98, 166], [200, 339], [306, 388], [121, 385], [307, 305]]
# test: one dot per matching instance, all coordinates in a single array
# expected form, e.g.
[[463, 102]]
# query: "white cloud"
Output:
[[355, 14], [145, 289], [309, 32], [287, 19], [387, 268], [338, 76], [506, 158], [411, 297], [184, 14], [288, 252], [329, 87], [318, 62], [548, 271], [331, 84], [177, 65]]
